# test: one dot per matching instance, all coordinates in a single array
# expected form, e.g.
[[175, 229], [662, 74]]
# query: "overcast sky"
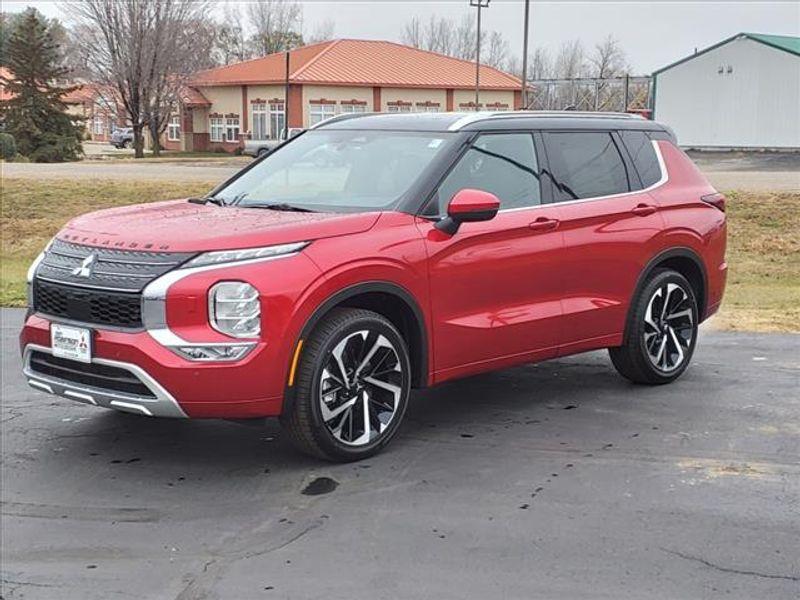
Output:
[[652, 33]]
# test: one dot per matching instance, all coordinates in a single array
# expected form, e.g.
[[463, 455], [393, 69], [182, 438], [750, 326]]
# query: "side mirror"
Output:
[[468, 206]]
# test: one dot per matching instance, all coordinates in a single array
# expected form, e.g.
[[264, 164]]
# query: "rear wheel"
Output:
[[352, 387], [661, 332]]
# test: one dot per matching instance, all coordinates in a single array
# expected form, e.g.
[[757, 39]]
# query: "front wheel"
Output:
[[661, 331], [352, 387]]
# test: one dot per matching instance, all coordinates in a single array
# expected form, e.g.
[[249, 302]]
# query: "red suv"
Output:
[[378, 253]]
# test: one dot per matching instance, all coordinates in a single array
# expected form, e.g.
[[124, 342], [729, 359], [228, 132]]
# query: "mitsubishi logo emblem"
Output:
[[85, 270]]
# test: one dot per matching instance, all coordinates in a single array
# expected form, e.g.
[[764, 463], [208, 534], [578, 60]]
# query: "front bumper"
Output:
[[174, 386], [158, 403]]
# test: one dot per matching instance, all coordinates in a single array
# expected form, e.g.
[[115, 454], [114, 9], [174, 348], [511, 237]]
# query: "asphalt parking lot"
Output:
[[558, 480]]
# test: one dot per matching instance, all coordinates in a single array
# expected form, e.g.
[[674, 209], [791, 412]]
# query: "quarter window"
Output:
[[643, 155], [502, 164], [585, 165], [216, 128], [174, 128]]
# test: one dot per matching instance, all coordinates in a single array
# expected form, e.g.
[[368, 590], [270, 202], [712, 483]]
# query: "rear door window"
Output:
[[641, 150], [585, 165], [502, 164]]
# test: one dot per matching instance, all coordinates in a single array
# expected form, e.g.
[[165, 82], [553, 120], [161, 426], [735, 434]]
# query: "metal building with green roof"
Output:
[[743, 92]]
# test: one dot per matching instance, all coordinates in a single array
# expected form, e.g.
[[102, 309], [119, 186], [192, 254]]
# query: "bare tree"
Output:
[[540, 65], [144, 51], [412, 33], [277, 25], [608, 59], [497, 51], [230, 38], [570, 61], [322, 32]]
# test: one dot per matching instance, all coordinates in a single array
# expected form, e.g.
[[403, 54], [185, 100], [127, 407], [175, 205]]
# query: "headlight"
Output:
[[235, 309], [227, 256]]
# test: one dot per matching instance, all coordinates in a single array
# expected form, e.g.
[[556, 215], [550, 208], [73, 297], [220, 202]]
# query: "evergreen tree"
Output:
[[36, 115]]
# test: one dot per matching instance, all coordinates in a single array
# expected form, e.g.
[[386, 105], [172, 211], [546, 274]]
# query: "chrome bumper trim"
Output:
[[162, 405]]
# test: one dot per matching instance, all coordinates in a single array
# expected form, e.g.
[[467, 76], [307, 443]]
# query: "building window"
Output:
[[497, 107], [353, 108], [277, 119], [320, 112], [216, 129], [232, 129], [399, 108], [260, 131], [425, 107], [174, 128], [97, 125]]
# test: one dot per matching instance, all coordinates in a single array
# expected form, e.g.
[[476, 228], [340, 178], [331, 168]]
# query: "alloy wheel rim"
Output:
[[360, 387], [668, 327]]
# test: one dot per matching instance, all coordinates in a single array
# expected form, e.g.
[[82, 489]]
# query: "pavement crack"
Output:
[[716, 567]]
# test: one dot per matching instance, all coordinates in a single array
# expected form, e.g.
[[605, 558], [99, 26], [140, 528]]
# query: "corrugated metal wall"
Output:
[[753, 103]]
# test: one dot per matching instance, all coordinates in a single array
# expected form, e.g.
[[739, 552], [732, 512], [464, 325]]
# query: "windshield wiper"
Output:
[[280, 206], [207, 200]]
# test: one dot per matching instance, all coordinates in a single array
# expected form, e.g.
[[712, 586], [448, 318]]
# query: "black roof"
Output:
[[490, 121]]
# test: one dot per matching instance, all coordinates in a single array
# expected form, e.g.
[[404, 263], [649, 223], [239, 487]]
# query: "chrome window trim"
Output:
[[164, 404]]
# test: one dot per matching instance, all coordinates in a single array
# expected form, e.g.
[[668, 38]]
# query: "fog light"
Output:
[[234, 309], [218, 352]]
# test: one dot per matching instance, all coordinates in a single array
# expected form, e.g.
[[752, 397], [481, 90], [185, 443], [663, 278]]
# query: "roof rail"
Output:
[[486, 115]]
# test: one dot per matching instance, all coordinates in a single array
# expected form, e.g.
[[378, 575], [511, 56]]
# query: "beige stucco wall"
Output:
[[337, 93], [200, 119], [413, 95], [486, 97], [265, 92], [224, 99]]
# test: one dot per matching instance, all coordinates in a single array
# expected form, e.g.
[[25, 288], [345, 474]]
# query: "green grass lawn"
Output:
[[33, 211], [763, 292]]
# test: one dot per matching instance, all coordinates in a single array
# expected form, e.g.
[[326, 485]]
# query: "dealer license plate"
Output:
[[74, 343]]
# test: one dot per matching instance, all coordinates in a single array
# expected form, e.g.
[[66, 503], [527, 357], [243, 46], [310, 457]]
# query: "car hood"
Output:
[[181, 226]]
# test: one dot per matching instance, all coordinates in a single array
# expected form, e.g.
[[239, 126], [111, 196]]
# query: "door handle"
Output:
[[543, 224], [642, 210]]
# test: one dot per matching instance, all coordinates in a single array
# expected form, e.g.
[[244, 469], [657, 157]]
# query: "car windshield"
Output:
[[338, 171]]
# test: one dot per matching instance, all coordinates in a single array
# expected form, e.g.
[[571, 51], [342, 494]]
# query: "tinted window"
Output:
[[502, 164], [585, 165], [643, 155]]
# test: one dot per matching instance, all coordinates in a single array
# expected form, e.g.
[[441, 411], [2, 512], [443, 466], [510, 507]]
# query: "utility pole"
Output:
[[286, 100], [525, 56], [480, 4]]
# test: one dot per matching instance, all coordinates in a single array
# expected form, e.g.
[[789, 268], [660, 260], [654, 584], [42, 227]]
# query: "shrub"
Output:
[[57, 149], [8, 147]]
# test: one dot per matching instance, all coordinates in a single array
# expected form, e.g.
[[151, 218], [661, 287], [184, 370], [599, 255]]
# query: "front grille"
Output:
[[98, 286], [97, 307], [107, 268], [102, 377]]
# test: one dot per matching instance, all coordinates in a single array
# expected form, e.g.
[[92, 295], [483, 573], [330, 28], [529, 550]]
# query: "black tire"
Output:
[[123, 145], [650, 346], [304, 422], [262, 152]]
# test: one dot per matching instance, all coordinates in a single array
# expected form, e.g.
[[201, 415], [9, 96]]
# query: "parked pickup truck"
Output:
[[262, 147]]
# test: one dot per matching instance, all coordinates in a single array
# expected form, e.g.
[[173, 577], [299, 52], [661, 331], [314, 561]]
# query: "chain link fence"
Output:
[[614, 94]]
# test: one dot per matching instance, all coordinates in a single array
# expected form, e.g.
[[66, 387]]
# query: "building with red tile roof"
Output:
[[225, 105]]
